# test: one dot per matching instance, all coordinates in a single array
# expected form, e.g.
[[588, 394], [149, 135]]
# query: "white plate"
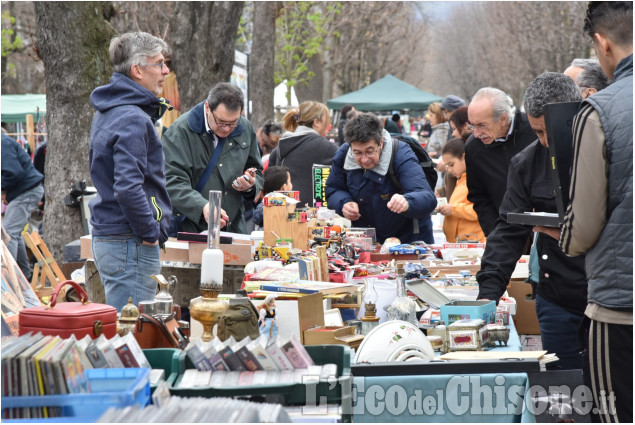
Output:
[[395, 340]]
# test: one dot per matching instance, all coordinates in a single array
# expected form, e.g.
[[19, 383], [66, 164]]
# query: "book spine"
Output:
[[218, 363], [288, 289], [248, 359], [232, 361], [296, 355], [263, 357], [198, 358], [126, 357], [279, 357]]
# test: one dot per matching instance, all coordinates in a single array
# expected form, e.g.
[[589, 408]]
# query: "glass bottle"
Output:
[[403, 307], [212, 259], [370, 320]]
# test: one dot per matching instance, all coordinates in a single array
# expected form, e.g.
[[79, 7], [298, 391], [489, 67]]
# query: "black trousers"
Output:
[[608, 370]]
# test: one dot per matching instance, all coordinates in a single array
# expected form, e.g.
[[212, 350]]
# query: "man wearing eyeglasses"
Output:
[[131, 213], [588, 75], [500, 132], [214, 137], [360, 189]]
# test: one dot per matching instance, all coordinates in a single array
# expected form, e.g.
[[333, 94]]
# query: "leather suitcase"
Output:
[[70, 318]]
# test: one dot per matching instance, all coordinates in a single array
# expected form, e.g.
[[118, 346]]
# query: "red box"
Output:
[[70, 318]]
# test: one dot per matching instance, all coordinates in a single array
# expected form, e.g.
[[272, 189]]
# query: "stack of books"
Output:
[[36, 365]]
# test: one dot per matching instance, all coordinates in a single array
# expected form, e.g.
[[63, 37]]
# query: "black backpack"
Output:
[[424, 160]]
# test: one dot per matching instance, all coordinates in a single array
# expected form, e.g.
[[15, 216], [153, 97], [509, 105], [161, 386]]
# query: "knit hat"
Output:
[[452, 103]]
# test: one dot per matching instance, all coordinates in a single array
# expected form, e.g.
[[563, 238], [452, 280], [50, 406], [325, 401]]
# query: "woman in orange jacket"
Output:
[[460, 218]]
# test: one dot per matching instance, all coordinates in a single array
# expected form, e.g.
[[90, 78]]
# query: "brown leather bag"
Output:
[[158, 332]]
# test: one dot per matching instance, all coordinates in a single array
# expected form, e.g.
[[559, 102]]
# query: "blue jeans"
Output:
[[15, 218], [125, 265], [559, 333]]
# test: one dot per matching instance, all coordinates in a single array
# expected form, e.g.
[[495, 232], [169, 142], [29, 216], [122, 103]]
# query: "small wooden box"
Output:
[[342, 335]]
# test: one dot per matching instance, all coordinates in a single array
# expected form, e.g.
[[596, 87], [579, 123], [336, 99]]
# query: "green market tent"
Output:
[[386, 94], [15, 107]]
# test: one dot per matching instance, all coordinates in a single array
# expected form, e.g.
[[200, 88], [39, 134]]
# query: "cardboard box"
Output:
[[460, 310], [341, 335], [238, 253], [294, 316], [526, 320]]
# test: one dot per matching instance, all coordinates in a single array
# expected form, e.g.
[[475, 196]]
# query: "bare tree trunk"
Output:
[[203, 36], [262, 61], [72, 41], [314, 90]]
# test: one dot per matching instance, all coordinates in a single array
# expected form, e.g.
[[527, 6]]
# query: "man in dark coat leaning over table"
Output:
[[359, 189], [561, 290], [190, 143], [499, 134], [131, 212]]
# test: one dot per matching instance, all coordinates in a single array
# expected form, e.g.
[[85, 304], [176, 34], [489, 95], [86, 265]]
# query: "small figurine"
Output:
[[267, 321]]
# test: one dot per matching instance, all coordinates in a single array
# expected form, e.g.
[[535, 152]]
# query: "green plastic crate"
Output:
[[171, 360], [294, 394]]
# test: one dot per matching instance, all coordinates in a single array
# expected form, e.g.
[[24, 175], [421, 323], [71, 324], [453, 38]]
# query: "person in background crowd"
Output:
[[426, 129], [499, 134], [268, 137], [359, 189], [440, 129], [561, 289], [302, 145], [599, 219], [131, 213], [340, 125], [459, 125], [413, 125], [391, 126], [277, 177], [449, 104], [22, 190], [460, 219], [588, 75], [213, 131], [396, 118]]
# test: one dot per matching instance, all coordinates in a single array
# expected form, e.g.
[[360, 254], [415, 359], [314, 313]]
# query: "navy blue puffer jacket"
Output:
[[372, 190]]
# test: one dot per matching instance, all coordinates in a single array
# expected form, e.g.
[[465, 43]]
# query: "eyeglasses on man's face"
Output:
[[368, 153], [158, 64], [479, 126], [226, 125]]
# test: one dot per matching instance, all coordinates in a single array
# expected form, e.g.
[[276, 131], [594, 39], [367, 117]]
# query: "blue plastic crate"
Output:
[[110, 388]]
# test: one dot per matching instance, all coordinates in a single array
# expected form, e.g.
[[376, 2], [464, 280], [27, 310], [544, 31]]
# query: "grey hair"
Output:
[[134, 48], [549, 87], [592, 75], [501, 102], [228, 94], [363, 128]]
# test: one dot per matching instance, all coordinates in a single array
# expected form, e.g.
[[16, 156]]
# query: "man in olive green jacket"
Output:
[[189, 144]]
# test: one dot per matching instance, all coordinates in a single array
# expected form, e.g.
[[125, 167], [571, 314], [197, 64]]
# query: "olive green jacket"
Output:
[[188, 148]]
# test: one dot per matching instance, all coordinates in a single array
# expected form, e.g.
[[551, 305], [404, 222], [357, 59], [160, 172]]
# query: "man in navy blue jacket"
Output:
[[21, 190], [358, 188], [131, 213]]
